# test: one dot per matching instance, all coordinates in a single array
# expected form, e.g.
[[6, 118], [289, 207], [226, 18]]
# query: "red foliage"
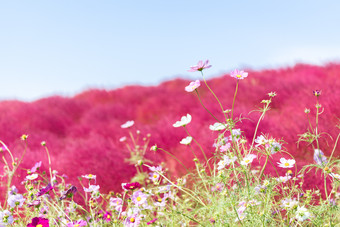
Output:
[[82, 132]]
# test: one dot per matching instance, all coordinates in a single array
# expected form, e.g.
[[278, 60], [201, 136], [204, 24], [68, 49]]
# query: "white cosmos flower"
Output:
[[335, 175], [248, 159], [283, 179], [260, 140], [127, 124], [289, 204], [32, 176], [302, 213], [217, 126], [183, 122], [286, 163], [225, 161], [92, 188], [186, 141]]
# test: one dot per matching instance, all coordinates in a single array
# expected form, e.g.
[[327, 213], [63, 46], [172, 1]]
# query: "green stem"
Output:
[[264, 166], [175, 159], [232, 108], [225, 116], [200, 149], [199, 98]]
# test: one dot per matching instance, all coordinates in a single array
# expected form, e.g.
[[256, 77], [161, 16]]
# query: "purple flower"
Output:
[[200, 66], [39, 222], [317, 93], [43, 191], [69, 193], [240, 75], [15, 200], [319, 157]]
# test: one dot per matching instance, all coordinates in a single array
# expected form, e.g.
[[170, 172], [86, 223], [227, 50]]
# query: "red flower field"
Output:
[[82, 132]]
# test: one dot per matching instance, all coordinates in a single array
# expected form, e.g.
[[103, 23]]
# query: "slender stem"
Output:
[[225, 116], [178, 212], [49, 164], [200, 149], [180, 188], [336, 142], [264, 166], [199, 98], [232, 108], [175, 159]]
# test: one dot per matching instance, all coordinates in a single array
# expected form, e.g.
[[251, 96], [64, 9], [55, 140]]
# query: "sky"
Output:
[[65, 47]]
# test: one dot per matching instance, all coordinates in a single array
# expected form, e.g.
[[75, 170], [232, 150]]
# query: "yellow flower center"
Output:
[[155, 176], [159, 200], [246, 161], [286, 164], [76, 225], [108, 217], [118, 202], [238, 76], [139, 198], [40, 225], [90, 175], [132, 220]]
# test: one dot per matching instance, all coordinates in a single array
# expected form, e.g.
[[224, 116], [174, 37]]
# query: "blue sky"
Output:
[[65, 47]]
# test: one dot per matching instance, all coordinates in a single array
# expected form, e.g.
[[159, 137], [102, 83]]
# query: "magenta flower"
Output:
[[193, 86], [317, 93], [43, 191], [107, 216], [131, 186], [240, 75], [152, 221], [200, 66], [39, 222]]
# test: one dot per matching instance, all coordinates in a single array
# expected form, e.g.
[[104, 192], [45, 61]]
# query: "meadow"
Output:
[[247, 148]]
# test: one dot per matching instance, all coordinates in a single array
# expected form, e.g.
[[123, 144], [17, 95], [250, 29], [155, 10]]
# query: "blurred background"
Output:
[[65, 47]]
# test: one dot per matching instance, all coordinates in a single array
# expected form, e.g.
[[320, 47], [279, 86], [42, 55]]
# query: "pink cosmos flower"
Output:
[[218, 187], [200, 66], [240, 75], [193, 86], [139, 198], [248, 159], [132, 221], [36, 167], [41, 222], [117, 204], [77, 223]]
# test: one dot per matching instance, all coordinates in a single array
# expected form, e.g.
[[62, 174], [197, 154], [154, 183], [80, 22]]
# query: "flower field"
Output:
[[247, 148]]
